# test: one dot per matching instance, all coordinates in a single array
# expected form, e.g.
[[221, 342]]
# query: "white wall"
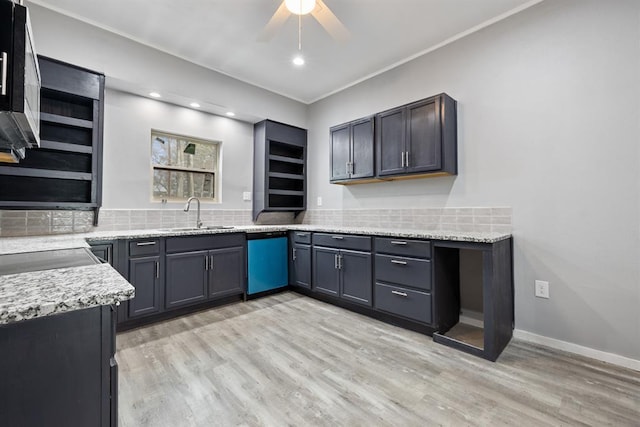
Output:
[[134, 67], [548, 124], [128, 121]]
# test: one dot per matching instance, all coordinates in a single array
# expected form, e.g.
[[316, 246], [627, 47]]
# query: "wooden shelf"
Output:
[[64, 146], [286, 192], [285, 175], [45, 173], [286, 159], [67, 121]]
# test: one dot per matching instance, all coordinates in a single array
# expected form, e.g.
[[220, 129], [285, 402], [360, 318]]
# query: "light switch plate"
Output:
[[542, 289], [246, 195], [319, 201]]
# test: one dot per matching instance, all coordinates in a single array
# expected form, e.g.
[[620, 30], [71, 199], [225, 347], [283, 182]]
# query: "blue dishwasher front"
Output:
[[268, 264]]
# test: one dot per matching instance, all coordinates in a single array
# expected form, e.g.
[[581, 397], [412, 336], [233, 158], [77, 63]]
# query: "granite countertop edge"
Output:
[[61, 290]]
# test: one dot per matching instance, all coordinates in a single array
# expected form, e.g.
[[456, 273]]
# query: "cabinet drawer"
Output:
[[403, 302], [342, 241], [210, 241], [404, 271], [301, 236], [405, 247], [144, 247]]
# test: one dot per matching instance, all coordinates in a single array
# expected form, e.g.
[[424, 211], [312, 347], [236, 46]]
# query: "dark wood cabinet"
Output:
[[145, 274], [203, 268], [352, 151], [403, 278], [60, 370], [417, 139], [340, 269], [186, 278], [65, 172], [326, 275], [492, 284], [300, 259], [279, 168], [227, 272]]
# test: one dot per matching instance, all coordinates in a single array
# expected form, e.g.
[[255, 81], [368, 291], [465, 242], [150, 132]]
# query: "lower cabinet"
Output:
[[342, 272], [226, 272], [187, 278], [60, 370], [145, 274], [300, 259]]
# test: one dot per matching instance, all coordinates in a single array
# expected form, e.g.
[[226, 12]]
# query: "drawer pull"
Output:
[[337, 237], [398, 242], [302, 234], [400, 294], [145, 243], [395, 261]]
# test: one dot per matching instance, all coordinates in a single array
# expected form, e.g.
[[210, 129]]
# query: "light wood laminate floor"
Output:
[[291, 360]]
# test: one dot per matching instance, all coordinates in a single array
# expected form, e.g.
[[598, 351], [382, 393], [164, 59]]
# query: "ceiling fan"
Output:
[[317, 8]]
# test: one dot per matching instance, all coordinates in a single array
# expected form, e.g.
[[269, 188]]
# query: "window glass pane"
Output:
[[176, 152], [177, 184]]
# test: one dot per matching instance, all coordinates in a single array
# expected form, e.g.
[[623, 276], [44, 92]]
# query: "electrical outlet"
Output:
[[542, 289], [246, 196], [319, 201]]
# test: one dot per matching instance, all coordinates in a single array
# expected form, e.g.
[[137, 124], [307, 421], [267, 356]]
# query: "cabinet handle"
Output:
[[3, 89], [400, 294], [301, 234], [335, 261], [351, 168], [211, 263], [157, 270], [347, 168], [206, 262], [293, 254], [398, 242], [337, 237], [145, 243], [395, 261], [406, 158], [402, 158]]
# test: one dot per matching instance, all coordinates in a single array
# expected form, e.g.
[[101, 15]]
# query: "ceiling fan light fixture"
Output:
[[300, 7]]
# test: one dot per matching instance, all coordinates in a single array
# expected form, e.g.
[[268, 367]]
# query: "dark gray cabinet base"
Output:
[[59, 370]]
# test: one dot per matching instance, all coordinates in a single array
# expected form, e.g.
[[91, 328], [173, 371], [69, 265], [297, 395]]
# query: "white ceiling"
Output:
[[222, 35]]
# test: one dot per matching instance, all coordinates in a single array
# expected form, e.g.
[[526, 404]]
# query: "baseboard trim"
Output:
[[614, 359]]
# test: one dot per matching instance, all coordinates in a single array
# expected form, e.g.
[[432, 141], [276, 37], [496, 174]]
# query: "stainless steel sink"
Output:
[[205, 227]]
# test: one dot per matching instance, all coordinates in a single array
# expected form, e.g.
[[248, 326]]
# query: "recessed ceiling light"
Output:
[[155, 95], [230, 113], [195, 105], [298, 60]]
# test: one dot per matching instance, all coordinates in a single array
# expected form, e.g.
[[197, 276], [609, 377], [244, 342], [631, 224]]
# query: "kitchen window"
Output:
[[183, 167]]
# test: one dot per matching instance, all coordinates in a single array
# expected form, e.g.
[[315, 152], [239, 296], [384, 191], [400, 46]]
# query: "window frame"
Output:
[[216, 172]]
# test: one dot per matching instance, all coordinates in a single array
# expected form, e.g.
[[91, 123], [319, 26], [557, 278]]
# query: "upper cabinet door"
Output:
[[340, 152], [390, 142], [362, 149], [424, 142]]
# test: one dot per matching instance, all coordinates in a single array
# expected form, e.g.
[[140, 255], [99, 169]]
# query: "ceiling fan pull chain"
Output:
[[299, 32]]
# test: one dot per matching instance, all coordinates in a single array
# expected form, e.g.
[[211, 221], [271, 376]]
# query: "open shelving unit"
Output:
[[280, 168], [487, 335], [65, 171]]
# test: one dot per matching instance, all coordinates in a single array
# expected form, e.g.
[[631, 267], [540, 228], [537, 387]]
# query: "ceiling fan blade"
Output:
[[330, 22], [277, 20]]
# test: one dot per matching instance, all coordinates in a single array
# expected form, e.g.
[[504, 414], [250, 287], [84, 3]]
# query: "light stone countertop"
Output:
[[42, 293]]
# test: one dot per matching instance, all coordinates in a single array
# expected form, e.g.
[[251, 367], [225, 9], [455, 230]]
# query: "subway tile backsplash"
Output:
[[30, 223]]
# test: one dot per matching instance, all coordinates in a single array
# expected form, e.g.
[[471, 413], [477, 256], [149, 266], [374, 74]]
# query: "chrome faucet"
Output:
[[186, 209]]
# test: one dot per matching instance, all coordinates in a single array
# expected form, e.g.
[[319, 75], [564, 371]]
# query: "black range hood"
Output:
[[19, 84]]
